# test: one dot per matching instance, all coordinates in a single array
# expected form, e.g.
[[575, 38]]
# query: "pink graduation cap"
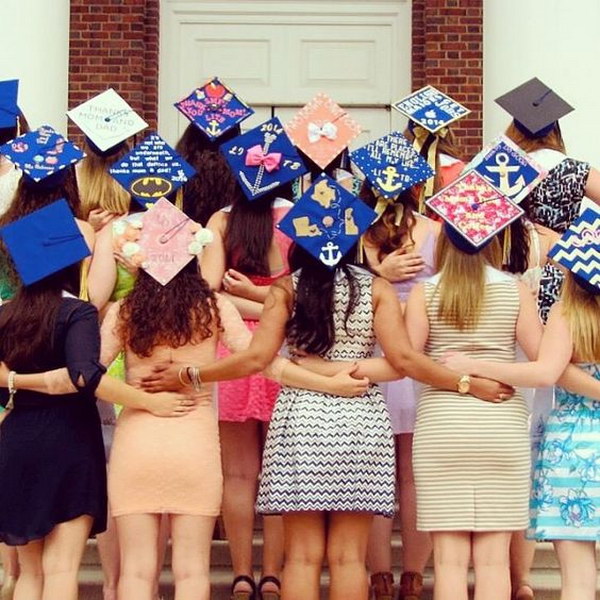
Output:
[[168, 241], [322, 130]]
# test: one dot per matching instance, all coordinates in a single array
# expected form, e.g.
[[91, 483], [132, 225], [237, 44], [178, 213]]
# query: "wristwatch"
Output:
[[463, 385]]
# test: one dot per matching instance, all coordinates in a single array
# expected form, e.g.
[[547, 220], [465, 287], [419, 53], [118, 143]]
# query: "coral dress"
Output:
[[254, 397], [169, 465]]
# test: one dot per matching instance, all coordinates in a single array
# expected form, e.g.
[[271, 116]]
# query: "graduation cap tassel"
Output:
[[506, 246], [179, 199], [84, 293]]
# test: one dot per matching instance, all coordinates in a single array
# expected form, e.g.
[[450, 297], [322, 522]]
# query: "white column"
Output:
[[556, 41], [34, 48]]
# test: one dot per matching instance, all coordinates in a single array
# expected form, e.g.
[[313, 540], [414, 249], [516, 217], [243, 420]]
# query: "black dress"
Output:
[[52, 465]]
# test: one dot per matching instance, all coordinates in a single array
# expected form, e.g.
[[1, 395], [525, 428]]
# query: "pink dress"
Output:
[[254, 397], [401, 396], [170, 465]]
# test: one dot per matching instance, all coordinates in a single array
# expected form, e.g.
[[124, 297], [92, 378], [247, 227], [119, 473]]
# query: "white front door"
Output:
[[278, 55]]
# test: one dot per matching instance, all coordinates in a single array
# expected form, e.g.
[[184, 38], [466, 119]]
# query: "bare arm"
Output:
[[213, 257], [249, 309], [102, 276]]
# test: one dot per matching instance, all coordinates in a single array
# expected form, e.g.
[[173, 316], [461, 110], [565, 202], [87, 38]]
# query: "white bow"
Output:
[[315, 133]]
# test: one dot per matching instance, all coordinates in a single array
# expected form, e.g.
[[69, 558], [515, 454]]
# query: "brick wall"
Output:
[[114, 43], [448, 54]]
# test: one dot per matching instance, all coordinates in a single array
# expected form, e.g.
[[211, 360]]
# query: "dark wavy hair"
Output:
[[311, 327], [518, 258], [249, 231], [183, 311], [384, 234], [27, 321], [213, 186]]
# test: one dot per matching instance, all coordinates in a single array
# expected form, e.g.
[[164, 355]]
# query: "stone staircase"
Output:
[[545, 577]]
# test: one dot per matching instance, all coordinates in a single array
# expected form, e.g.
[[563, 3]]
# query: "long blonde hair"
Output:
[[96, 186], [581, 309], [461, 287], [552, 141]]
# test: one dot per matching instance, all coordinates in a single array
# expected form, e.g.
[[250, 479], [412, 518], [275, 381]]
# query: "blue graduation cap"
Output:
[[431, 108], [263, 158], [327, 221], [9, 111], [508, 168], [391, 164], [214, 108], [44, 242], [579, 250], [42, 152], [152, 170]]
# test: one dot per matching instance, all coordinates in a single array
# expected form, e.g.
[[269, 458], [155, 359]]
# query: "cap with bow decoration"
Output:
[[263, 159], [322, 130]]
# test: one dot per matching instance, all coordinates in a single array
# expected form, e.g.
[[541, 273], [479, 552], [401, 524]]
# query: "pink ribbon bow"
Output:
[[256, 157]]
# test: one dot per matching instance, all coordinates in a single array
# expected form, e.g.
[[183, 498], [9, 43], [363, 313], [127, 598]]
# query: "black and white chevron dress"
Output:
[[324, 452]]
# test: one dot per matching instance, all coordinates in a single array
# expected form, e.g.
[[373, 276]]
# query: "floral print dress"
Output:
[[565, 502]]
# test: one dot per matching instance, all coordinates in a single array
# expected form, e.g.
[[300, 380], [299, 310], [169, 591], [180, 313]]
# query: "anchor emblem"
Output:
[[213, 128], [255, 187], [330, 254], [504, 170], [388, 183]]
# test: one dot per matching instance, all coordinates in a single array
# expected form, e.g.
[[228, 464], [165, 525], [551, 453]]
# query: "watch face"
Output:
[[463, 385]]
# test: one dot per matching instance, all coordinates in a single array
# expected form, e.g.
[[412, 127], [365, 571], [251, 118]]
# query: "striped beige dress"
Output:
[[471, 458]]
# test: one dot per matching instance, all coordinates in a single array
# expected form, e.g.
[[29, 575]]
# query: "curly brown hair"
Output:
[[384, 234], [182, 312]]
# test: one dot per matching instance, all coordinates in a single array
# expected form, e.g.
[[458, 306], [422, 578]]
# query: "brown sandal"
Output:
[[269, 595], [243, 594], [411, 586], [382, 586]]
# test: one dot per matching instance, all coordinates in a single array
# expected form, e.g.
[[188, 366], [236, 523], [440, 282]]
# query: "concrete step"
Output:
[[545, 582]]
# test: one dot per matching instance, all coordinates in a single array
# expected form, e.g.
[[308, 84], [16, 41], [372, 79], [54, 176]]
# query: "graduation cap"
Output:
[[107, 119], [579, 250], [44, 242], [322, 130], [534, 106], [474, 209], [391, 165], [263, 159], [327, 221], [508, 168], [41, 153], [167, 241], [151, 170], [431, 109], [214, 108], [9, 111]]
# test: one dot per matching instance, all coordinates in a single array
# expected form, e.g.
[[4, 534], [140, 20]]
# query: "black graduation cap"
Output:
[[534, 106]]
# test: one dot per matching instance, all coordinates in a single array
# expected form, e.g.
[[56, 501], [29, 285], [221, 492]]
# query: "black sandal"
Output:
[[270, 595], [243, 594]]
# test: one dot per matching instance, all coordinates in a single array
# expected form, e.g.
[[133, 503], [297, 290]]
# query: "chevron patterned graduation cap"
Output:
[[579, 248]]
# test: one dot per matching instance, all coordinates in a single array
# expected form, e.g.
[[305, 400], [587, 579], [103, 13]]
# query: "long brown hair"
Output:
[[384, 234], [182, 312], [552, 141], [213, 186], [461, 287], [27, 321], [96, 187], [582, 312]]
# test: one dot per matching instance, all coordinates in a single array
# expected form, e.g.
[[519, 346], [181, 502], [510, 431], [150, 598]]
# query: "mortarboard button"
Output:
[[327, 221], [107, 119], [44, 242], [534, 106]]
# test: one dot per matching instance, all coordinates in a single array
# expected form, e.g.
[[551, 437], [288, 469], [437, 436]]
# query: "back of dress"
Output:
[[471, 457]]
